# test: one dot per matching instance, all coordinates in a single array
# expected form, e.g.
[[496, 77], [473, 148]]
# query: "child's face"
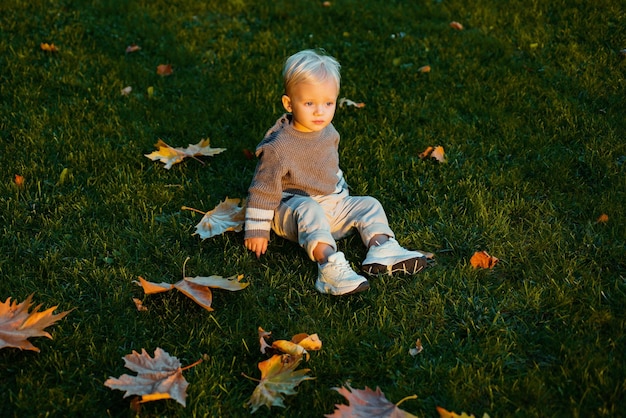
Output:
[[312, 105]]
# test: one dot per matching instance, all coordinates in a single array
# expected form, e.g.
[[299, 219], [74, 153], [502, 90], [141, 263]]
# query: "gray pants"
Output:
[[311, 220]]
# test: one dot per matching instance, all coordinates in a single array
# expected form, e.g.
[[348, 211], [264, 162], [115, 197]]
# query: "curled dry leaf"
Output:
[[602, 219], [164, 70], [298, 345], [347, 102], [157, 378], [17, 324], [279, 377], [417, 349], [126, 90], [263, 337], [139, 305], [226, 216], [424, 69], [456, 25], [368, 403], [19, 181], [132, 48], [437, 153], [170, 155], [482, 259]]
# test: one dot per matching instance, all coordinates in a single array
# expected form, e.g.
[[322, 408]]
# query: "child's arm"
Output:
[[257, 245]]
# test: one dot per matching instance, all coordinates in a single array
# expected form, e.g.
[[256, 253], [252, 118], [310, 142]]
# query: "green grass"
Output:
[[528, 102]]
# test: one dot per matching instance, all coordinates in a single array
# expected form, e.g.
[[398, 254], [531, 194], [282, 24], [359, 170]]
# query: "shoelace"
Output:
[[343, 268]]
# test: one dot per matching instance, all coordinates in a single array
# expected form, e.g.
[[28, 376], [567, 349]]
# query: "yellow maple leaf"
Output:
[[17, 325], [171, 155], [443, 413], [279, 377]]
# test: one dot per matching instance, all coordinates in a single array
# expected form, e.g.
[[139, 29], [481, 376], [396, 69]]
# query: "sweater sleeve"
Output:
[[264, 194]]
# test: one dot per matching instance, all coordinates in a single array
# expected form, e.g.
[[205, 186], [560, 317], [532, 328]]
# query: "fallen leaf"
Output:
[[126, 90], [298, 345], [232, 283], [263, 337], [368, 403], [132, 48], [424, 69], [19, 181], [482, 259], [443, 413], [150, 288], [426, 153], [278, 379], [326, 4], [48, 47], [347, 102], [17, 325], [456, 25], [164, 70], [248, 154], [226, 216], [439, 154], [170, 155], [417, 349], [602, 219], [139, 305], [308, 342], [157, 378]]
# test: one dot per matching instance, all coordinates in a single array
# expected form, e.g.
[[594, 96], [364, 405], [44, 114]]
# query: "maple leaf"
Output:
[[347, 102], [482, 259], [443, 413], [368, 403], [157, 378], [196, 288], [278, 378], [17, 325], [170, 155], [298, 345], [226, 216]]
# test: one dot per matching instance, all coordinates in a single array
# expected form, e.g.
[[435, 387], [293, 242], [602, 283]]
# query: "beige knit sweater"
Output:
[[291, 162]]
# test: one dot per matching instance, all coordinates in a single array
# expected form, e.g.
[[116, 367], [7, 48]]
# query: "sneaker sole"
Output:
[[329, 290], [411, 266]]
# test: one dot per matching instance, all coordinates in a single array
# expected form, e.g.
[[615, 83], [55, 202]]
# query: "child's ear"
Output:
[[286, 102]]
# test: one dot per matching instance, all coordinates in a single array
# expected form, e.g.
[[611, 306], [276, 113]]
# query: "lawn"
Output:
[[527, 100]]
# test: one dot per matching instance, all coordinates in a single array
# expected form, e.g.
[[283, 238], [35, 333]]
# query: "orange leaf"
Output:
[[19, 181], [202, 295], [413, 351], [157, 378], [139, 305], [426, 153], [439, 154], [482, 259], [17, 325], [456, 25], [164, 70], [443, 413], [48, 47], [150, 288], [424, 69], [604, 218], [278, 378], [308, 342]]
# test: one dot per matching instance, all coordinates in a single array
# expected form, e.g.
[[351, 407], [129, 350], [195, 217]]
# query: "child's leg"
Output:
[[302, 219], [366, 215]]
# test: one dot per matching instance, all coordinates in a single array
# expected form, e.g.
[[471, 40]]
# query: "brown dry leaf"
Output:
[[347, 102], [482, 259], [426, 153], [443, 413], [202, 295], [48, 47], [456, 25], [17, 325], [157, 378], [308, 342], [170, 155], [602, 219], [164, 70], [226, 216], [126, 90], [150, 288], [437, 153], [279, 377], [368, 403], [424, 69]]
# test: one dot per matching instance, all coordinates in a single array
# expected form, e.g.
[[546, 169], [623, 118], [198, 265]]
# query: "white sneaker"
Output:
[[390, 257], [336, 277]]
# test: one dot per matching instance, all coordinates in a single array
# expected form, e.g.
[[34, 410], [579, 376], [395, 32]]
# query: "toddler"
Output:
[[299, 191]]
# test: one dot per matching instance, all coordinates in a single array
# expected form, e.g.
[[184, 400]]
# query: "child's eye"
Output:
[[330, 103], [308, 103]]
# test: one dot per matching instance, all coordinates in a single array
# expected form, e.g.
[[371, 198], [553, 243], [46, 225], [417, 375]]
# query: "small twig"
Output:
[[192, 365], [251, 378], [406, 399]]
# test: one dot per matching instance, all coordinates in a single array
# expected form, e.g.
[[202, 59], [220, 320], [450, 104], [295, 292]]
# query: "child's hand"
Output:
[[257, 245]]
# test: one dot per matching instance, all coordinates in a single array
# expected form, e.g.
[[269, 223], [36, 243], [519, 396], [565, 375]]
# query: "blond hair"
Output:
[[310, 66]]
